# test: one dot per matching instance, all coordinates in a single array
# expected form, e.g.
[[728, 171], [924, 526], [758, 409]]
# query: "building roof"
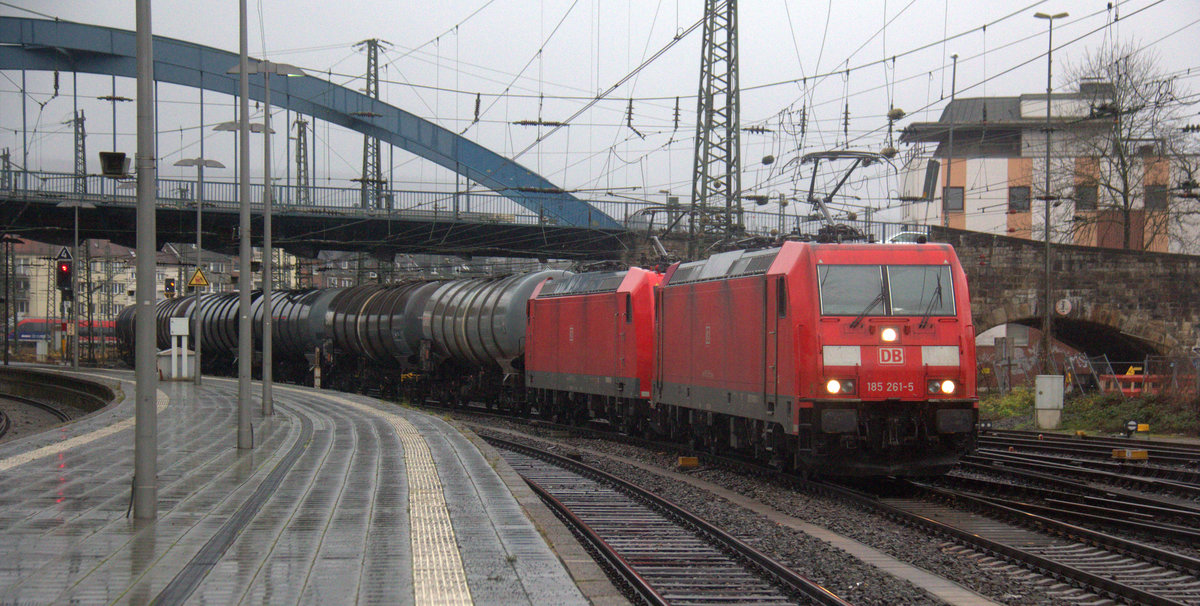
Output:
[[982, 109], [998, 114]]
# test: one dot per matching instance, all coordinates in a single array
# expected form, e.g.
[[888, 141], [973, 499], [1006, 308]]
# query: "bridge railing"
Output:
[[475, 207], [471, 207]]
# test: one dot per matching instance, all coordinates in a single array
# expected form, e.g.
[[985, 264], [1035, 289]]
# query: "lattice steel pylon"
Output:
[[717, 168], [372, 170], [80, 154], [304, 192], [6, 174]]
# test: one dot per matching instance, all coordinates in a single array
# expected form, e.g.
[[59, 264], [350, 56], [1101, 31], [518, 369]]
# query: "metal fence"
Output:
[[471, 207]]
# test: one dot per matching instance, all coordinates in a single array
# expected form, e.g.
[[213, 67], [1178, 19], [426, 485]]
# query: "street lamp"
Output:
[[1046, 311], [74, 321], [200, 164], [245, 331], [266, 68]]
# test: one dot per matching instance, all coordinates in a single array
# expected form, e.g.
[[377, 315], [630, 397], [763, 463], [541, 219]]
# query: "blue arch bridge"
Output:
[[520, 214]]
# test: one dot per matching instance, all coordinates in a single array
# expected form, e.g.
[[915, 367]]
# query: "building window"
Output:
[[1156, 197], [952, 199], [1085, 197], [22, 307], [1018, 198]]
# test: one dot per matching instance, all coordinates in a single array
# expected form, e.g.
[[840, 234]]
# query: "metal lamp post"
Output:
[[1046, 311], [245, 355], [145, 445], [74, 319], [266, 68], [200, 164]]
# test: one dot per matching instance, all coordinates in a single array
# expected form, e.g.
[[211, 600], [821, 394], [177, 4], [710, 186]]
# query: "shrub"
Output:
[[1016, 404]]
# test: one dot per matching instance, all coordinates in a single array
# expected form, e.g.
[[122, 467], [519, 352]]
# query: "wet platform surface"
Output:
[[343, 500]]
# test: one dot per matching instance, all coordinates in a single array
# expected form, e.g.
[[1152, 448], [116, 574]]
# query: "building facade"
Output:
[[989, 158]]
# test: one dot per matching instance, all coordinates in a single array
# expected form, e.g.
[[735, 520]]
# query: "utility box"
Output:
[[1048, 402]]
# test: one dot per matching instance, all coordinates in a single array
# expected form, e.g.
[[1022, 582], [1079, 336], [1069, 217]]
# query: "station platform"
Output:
[[343, 500]]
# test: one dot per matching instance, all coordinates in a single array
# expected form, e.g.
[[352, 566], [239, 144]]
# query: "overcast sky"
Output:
[[793, 61]]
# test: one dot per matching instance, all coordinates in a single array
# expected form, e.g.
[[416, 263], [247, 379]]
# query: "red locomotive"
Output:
[[845, 359], [589, 347]]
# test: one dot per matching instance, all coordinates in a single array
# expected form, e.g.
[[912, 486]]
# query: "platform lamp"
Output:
[[8, 241], [200, 164], [266, 68], [1046, 310], [76, 205]]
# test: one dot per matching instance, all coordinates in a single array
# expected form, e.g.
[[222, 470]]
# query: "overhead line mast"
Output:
[[372, 169], [717, 168]]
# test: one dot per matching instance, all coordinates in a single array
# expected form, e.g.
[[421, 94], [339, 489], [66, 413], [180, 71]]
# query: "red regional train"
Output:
[[842, 359]]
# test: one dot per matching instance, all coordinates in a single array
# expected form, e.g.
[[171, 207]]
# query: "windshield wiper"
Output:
[[876, 301], [936, 297]]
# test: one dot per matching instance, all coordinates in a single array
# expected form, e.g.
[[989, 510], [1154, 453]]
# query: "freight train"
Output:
[[837, 359]]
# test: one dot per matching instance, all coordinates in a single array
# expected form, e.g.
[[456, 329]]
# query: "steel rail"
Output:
[[789, 578]]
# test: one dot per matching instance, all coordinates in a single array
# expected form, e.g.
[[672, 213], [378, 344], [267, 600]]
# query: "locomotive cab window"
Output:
[[848, 290], [888, 290], [920, 290]]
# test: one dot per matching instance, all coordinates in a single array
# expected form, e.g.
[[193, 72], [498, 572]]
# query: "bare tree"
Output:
[[1128, 154]]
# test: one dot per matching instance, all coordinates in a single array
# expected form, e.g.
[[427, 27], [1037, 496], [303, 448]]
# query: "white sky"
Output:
[[597, 43]]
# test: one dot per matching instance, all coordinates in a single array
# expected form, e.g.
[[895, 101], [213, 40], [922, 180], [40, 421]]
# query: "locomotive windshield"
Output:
[[886, 290]]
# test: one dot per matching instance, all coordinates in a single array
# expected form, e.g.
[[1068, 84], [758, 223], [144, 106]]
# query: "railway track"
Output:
[[1119, 569], [664, 554], [1123, 570], [6, 421], [1067, 500], [47, 408], [1142, 477], [1099, 447]]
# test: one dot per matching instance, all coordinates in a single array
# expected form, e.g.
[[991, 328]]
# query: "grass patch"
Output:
[[1105, 413], [1109, 412]]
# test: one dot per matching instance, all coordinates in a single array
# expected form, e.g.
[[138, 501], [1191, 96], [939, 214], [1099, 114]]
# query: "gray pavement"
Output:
[[344, 500]]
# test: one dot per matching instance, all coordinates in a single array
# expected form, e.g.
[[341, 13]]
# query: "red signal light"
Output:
[[62, 275]]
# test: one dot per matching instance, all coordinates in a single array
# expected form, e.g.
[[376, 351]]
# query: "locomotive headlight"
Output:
[[946, 386], [833, 386], [888, 334]]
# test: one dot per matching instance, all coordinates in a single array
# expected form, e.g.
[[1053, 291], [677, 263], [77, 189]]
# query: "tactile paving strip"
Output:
[[438, 575]]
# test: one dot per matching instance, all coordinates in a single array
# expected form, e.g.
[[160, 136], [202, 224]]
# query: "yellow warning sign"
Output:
[[198, 279]]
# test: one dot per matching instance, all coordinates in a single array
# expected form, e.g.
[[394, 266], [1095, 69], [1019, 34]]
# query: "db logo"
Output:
[[891, 355]]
